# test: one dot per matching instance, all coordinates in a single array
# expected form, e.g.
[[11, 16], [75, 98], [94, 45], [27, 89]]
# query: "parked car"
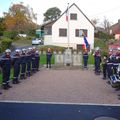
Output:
[[36, 41]]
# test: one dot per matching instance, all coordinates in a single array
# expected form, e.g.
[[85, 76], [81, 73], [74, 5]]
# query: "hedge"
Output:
[[5, 44]]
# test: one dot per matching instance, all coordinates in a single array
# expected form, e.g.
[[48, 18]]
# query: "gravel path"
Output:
[[76, 86]]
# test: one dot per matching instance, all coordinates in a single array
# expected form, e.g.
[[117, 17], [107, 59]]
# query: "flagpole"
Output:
[[68, 28]]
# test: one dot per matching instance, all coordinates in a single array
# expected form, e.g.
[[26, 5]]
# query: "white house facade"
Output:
[[56, 32]]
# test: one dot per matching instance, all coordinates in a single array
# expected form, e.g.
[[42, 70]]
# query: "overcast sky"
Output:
[[91, 8]]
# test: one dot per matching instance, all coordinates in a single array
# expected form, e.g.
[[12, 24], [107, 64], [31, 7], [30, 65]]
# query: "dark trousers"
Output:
[[28, 68], [115, 69], [97, 67], [37, 65], [33, 66], [109, 70], [16, 73], [23, 70], [49, 63], [85, 63], [104, 70], [6, 76]]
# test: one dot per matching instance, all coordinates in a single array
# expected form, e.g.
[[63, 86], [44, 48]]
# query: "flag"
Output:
[[67, 14], [83, 46], [86, 42]]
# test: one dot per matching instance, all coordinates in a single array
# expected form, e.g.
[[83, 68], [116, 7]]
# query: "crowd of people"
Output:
[[25, 62], [109, 65]]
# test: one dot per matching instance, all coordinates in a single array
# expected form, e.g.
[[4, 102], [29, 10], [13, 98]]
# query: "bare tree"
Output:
[[106, 25]]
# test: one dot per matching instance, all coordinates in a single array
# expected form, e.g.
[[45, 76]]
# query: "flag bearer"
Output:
[[85, 58]]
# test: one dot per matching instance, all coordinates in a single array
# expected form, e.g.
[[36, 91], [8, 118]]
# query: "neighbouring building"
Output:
[[115, 30], [55, 32]]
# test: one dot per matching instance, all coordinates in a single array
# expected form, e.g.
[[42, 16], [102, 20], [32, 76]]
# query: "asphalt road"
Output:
[[48, 111]]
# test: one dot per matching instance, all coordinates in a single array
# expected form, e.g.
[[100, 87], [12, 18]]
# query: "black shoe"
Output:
[[5, 87], [9, 86], [17, 82], [104, 78], [14, 82], [108, 82], [0, 93]]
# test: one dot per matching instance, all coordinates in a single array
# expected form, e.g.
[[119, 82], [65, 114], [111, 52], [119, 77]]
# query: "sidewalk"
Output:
[[59, 85]]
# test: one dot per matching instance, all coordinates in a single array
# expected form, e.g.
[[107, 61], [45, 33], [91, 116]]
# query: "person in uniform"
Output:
[[5, 64], [85, 58], [48, 58], [16, 60], [110, 64], [104, 65], [97, 60], [23, 64], [33, 60], [37, 59], [29, 58]]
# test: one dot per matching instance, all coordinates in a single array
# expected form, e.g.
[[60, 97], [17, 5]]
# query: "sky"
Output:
[[91, 8]]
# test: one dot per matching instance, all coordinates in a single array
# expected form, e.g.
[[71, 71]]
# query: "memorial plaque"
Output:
[[77, 59], [59, 58], [68, 57]]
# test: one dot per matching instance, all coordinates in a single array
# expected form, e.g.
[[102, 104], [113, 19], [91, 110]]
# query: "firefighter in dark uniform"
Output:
[[33, 60], [85, 58], [23, 64], [104, 65], [97, 58], [28, 72], [16, 60], [110, 64], [115, 64], [48, 58], [6, 65], [37, 59]]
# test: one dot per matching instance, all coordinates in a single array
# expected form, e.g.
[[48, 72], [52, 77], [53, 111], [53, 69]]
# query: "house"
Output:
[[115, 30], [55, 32]]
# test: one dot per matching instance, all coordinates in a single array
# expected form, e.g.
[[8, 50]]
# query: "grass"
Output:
[[91, 59]]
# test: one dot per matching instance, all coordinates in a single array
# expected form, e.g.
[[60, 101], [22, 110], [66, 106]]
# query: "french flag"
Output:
[[86, 42]]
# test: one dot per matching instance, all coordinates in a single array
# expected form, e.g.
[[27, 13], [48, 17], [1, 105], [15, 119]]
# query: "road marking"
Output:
[[59, 103]]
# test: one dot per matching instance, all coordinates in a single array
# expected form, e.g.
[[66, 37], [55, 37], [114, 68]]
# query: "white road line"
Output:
[[59, 103]]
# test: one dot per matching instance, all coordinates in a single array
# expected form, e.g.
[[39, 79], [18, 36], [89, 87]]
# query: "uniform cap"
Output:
[[97, 48], [17, 50], [110, 50], [37, 51], [23, 49], [7, 50]]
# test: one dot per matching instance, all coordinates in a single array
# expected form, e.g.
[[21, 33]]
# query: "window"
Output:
[[80, 32], [48, 31], [73, 16], [62, 32]]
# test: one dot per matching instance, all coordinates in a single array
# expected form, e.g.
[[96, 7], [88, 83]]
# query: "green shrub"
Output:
[[5, 44], [11, 34]]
